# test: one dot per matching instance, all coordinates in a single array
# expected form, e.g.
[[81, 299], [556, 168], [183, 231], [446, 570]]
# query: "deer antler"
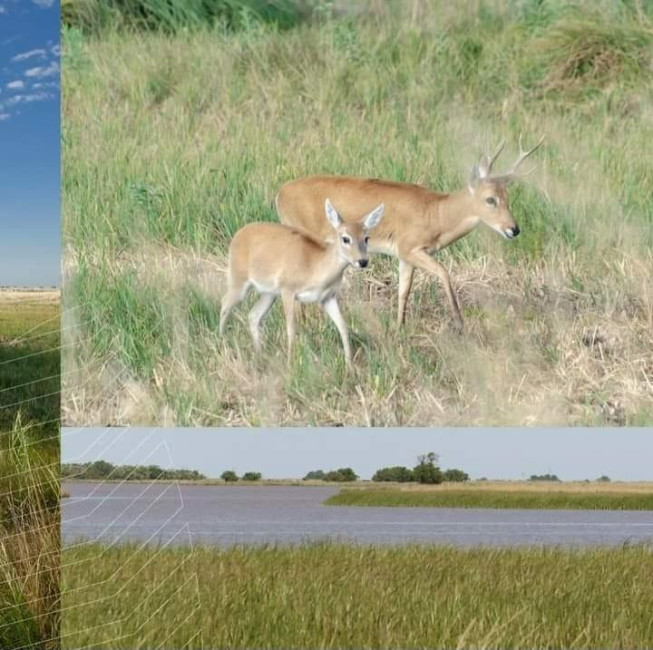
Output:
[[522, 156], [485, 166]]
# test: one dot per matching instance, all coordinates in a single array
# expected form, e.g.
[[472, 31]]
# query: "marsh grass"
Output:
[[494, 498], [340, 596], [174, 141], [29, 539], [29, 469]]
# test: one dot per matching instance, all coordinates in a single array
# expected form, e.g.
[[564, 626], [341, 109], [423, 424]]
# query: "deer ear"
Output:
[[474, 178], [332, 214], [373, 218]]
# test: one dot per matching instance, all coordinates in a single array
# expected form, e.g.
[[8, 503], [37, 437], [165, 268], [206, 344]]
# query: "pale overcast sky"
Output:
[[572, 454]]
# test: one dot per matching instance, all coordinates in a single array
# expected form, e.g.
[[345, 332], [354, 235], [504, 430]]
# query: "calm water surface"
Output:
[[219, 515]]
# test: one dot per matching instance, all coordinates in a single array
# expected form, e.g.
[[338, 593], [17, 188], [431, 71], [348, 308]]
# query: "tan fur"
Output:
[[277, 259], [417, 221]]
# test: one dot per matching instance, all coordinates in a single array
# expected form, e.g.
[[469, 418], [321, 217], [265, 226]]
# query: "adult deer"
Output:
[[418, 222], [281, 260]]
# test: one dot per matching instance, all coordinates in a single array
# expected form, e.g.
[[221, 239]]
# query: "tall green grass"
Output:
[[173, 141], [95, 16], [340, 596], [29, 539], [494, 498], [29, 470]]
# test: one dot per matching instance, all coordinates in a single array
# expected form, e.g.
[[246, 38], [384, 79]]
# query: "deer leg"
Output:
[[257, 314], [332, 308], [288, 299], [234, 295], [422, 260], [406, 273]]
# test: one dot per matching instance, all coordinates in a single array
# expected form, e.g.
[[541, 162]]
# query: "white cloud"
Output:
[[43, 3], [45, 84], [56, 50], [27, 99], [28, 55], [2, 10], [4, 116], [16, 85], [43, 71]]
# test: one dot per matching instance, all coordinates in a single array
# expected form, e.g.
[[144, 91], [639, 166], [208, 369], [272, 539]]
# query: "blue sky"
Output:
[[572, 454], [29, 142]]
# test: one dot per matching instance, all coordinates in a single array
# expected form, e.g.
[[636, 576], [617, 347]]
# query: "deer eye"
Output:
[[346, 240], [491, 201]]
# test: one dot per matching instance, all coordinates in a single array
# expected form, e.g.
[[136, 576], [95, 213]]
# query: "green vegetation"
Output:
[[493, 498], [101, 469], [29, 539], [544, 477], [339, 596], [426, 471], [340, 475], [174, 139], [93, 16], [229, 476], [29, 360], [29, 461], [315, 475]]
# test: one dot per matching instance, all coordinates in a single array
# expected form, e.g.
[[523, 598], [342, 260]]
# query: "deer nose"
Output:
[[515, 231], [362, 263]]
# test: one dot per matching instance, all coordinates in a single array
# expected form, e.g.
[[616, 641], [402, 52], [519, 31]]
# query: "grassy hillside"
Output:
[[338, 596], [173, 139]]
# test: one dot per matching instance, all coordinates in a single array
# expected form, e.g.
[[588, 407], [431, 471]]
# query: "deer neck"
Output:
[[332, 265], [454, 217]]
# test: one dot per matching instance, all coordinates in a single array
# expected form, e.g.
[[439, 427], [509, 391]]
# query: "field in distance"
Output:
[[29, 357], [339, 596], [576, 496]]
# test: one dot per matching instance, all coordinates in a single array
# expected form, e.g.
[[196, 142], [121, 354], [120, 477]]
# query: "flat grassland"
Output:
[[576, 496], [338, 596], [174, 141], [29, 358], [29, 469]]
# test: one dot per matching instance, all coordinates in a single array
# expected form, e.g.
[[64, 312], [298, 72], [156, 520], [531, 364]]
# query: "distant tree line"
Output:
[[426, 471], [101, 469], [340, 475], [544, 477], [230, 476]]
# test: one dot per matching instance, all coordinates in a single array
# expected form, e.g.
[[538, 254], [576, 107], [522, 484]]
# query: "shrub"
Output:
[[455, 476], [315, 475], [252, 476], [341, 475], [397, 474], [426, 471], [544, 477], [229, 476]]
